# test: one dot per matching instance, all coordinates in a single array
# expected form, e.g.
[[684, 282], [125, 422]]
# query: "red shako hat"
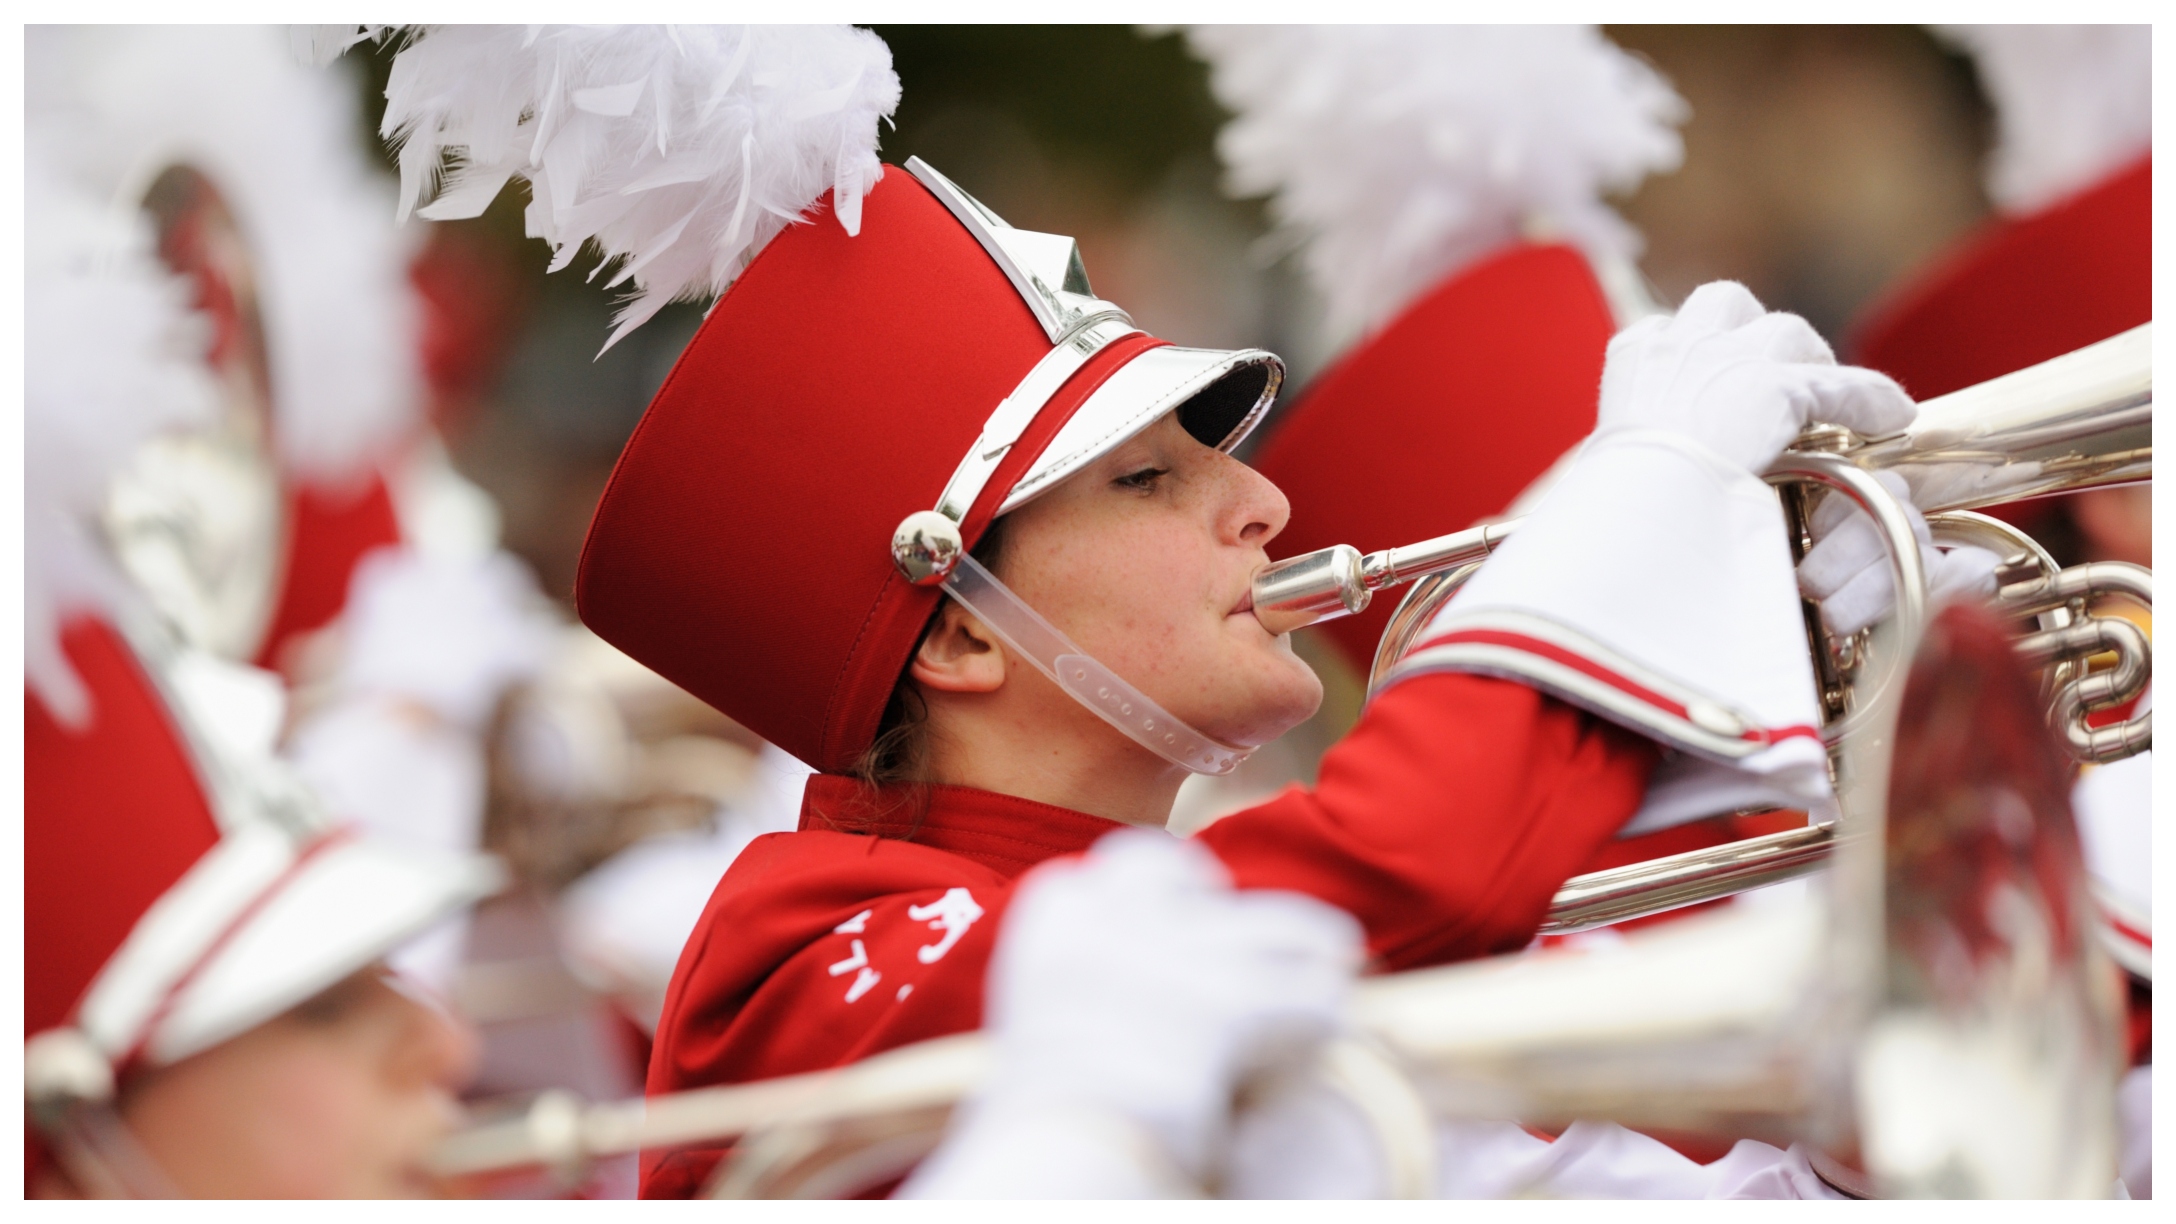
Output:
[[173, 896], [871, 390], [1441, 418], [100, 843], [939, 359], [1448, 187]]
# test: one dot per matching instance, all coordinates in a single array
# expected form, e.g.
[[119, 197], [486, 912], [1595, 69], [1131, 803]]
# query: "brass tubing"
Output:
[[559, 1130], [1678, 880]]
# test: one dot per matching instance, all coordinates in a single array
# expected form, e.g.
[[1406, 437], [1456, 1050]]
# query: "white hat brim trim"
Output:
[[1136, 396], [261, 924]]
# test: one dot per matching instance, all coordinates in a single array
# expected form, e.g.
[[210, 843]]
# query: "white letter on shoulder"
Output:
[[950, 914]]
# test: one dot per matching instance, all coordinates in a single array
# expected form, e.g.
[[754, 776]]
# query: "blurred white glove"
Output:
[[1847, 569], [1129, 993], [450, 633], [1739, 380]]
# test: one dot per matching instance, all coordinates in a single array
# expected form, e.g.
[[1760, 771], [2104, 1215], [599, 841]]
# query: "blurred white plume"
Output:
[[1398, 155], [2072, 104], [319, 45], [678, 150], [281, 143], [111, 356]]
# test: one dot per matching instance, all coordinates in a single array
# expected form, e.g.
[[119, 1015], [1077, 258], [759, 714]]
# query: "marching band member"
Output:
[[205, 1008], [919, 508], [2067, 261], [264, 201]]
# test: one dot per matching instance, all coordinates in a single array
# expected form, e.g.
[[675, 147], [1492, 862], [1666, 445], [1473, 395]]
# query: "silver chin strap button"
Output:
[[926, 547]]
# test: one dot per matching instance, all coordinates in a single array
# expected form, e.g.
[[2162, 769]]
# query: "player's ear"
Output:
[[959, 654]]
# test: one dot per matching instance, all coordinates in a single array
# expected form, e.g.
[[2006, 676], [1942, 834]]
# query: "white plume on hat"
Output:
[[2072, 104], [110, 357], [678, 150], [282, 143], [1401, 154]]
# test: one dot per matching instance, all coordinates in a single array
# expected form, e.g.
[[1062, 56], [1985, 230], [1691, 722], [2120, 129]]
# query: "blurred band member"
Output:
[[205, 1009], [314, 528], [1445, 189], [2067, 261]]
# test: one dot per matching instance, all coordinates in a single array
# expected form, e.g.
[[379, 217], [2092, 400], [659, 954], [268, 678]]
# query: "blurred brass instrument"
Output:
[[195, 519], [1845, 1019]]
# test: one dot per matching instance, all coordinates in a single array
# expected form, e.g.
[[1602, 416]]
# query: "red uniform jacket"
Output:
[[1444, 823]]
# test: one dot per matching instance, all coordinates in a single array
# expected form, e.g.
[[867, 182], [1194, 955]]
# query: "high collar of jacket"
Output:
[[1003, 832]]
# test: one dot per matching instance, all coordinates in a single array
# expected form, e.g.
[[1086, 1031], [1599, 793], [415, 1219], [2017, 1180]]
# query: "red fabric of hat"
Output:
[[2020, 292], [742, 548], [1444, 416], [2017, 293], [113, 815], [327, 535]]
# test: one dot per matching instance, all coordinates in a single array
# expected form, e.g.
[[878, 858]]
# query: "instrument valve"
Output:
[[2017, 569], [1825, 438]]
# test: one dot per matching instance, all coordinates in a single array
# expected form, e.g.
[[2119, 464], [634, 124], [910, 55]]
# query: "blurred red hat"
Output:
[[173, 898], [1441, 418], [743, 546], [2069, 259], [1449, 188], [100, 843], [2020, 291]]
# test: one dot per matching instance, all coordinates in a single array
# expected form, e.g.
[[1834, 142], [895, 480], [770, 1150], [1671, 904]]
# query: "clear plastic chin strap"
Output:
[[1089, 682]]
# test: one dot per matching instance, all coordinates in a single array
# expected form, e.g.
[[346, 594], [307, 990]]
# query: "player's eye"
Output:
[[1143, 480]]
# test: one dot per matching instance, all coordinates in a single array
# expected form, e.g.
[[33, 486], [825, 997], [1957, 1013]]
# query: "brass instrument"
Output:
[[195, 520], [2079, 421]]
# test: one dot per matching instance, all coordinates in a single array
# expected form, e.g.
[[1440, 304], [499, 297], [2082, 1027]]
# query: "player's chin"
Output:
[[1280, 693]]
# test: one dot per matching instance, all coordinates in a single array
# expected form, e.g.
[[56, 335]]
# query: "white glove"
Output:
[[1652, 584], [450, 633], [1847, 569], [1739, 380], [1135, 986]]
